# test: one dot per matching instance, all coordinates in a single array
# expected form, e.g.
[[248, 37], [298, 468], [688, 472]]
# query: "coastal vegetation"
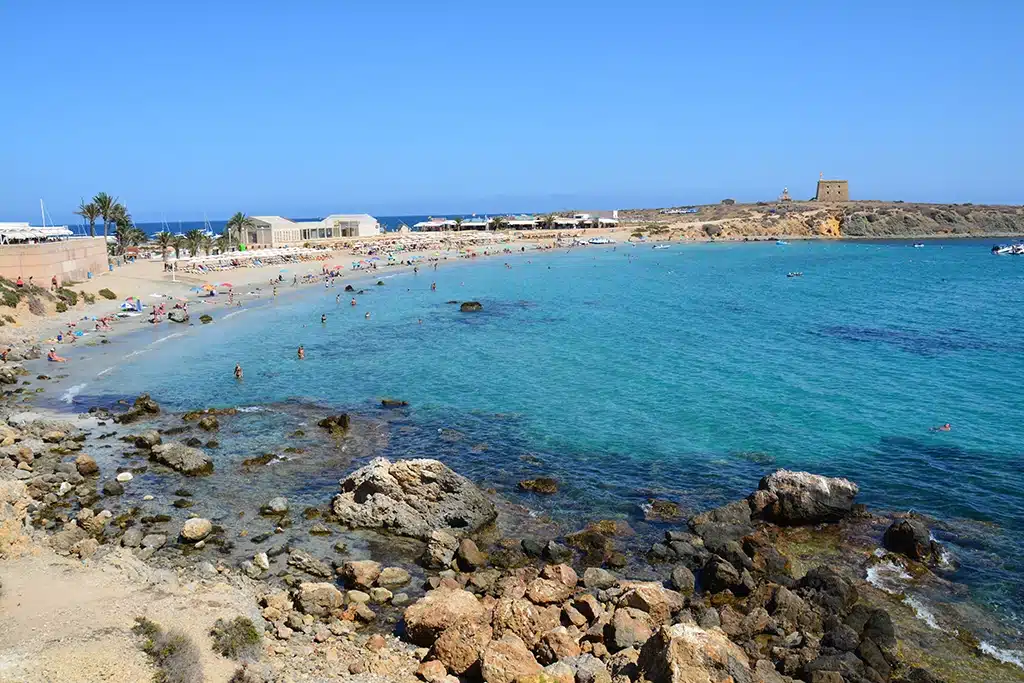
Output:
[[176, 657], [234, 229], [107, 294], [90, 212]]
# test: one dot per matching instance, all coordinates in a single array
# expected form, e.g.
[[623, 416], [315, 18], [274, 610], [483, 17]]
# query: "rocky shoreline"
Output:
[[767, 589]]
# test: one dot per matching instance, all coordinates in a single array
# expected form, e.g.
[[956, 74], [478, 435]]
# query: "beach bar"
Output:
[[278, 231]]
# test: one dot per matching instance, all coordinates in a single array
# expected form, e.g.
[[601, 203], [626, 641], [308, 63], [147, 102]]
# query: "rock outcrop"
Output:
[[911, 538], [182, 458], [412, 498], [794, 498]]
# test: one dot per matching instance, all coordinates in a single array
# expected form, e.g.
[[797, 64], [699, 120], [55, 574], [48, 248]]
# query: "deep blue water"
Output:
[[684, 373]]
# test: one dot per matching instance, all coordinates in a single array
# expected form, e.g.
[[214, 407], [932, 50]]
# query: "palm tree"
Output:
[[458, 223], [89, 212], [194, 241], [222, 243], [548, 221], [105, 205], [178, 242], [207, 243], [237, 225], [499, 223], [164, 239]]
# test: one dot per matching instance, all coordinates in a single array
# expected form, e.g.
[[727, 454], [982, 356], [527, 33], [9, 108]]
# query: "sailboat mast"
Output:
[[42, 212]]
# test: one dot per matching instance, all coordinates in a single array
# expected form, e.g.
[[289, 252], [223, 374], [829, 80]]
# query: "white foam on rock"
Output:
[[1015, 657]]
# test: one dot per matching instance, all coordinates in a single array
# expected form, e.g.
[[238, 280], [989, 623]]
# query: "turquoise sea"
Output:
[[630, 373]]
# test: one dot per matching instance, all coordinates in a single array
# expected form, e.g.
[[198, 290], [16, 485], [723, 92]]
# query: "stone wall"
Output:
[[833, 191], [68, 260]]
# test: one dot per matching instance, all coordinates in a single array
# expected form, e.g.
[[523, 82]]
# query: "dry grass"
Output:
[[177, 658]]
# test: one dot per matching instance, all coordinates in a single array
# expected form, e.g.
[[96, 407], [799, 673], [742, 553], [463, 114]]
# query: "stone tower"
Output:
[[832, 191]]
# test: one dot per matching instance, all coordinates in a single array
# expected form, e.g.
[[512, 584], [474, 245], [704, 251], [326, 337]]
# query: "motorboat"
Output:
[[918, 245], [660, 246], [781, 243], [1012, 249], [795, 274], [601, 240]]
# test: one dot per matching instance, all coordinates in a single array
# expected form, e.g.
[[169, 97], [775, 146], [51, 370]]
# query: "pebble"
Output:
[[124, 477], [147, 497]]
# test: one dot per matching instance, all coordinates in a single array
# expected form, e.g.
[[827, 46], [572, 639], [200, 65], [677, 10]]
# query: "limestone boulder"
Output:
[[654, 599], [460, 646], [429, 616], [360, 573], [412, 498], [507, 660], [181, 458], [319, 599], [524, 619], [196, 529], [684, 653], [795, 498]]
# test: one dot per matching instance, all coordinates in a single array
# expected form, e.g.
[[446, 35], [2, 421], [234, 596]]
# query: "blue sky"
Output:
[[305, 108]]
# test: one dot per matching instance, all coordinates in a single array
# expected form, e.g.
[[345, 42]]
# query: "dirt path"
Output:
[[67, 621]]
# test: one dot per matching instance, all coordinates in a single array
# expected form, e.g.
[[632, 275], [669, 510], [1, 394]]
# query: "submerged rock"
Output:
[[471, 306], [794, 498], [177, 316], [393, 403], [412, 498], [545, 485]]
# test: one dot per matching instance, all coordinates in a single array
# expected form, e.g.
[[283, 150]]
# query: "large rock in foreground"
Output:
[[793, 498], [412, 498], [182, 458], [686, 653]]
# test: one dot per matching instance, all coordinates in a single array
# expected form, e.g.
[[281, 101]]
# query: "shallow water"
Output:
[[685, 374]]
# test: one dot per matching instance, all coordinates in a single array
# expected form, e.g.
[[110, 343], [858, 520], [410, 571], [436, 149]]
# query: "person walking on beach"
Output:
[[4, 353], [238, 371], [302, 352]]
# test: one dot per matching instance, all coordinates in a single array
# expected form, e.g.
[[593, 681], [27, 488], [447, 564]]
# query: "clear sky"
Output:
[[305, 108]]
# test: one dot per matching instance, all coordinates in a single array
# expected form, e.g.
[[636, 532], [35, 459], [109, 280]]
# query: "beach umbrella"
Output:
[[226, 284], [208, 287]]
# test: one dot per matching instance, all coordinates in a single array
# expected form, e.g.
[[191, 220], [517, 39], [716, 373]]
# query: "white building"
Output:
[[278, 231]]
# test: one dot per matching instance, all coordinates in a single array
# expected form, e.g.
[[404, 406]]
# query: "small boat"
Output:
[[601, 240], [1012, 249], [918, 245], [781, 243], [660, 246], [795, 273]]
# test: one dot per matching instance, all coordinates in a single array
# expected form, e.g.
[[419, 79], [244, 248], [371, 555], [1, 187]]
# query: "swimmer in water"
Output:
[[238, 371], [942, 428], [433, 286], [353, 301], [302, 352], [420, 321], [323, 318], [367, 316], [337, 299]]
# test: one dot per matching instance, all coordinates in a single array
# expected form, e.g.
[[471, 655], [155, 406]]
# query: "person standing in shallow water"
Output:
[[302, 352], [323, 318], [238, 371]]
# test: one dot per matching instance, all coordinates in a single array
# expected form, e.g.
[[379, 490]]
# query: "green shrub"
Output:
[[107, 294], [177, 658], [62, 307], [236, 639], [11, 298], [68, 295], [10, 318], [88, 298], [728, 202]]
